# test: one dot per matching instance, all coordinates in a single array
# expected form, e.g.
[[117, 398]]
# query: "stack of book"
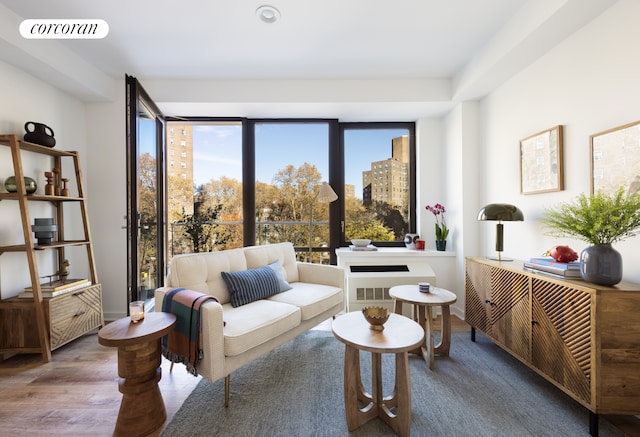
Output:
[[56, 288], [549, 266]]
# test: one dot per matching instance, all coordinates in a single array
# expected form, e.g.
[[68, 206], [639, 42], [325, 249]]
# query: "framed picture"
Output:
[[541, 167], [615, 159]]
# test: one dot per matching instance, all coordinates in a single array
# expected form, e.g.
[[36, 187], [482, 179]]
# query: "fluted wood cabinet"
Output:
[[582, 337]]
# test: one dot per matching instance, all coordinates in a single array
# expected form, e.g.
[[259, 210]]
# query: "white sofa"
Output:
[[232, 337]]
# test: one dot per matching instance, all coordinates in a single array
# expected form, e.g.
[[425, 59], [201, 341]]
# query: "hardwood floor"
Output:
[[77, 392]]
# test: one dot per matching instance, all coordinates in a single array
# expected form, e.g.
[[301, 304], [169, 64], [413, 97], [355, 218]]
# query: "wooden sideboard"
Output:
[[582, 337]]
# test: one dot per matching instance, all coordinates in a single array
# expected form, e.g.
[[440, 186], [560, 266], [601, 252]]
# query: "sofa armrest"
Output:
[[321, 274], [212, 365]]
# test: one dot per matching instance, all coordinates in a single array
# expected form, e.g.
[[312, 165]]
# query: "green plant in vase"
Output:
[[442, 232], [600, 219]]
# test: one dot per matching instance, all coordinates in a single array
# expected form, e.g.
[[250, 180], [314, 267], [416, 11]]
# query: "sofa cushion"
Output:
[[250, 285], [277, 267], [250, 325], [258, 256], [312, 299], [201, 271]]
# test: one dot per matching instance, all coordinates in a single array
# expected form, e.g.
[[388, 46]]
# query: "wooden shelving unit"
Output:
[[40, 325]]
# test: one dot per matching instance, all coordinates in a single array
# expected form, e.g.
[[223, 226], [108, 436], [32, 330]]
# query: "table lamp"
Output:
[[500, 212], [324, 195]]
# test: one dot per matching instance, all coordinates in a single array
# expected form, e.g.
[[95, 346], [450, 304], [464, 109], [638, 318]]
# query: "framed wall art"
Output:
[[541, 165], [615, 159]]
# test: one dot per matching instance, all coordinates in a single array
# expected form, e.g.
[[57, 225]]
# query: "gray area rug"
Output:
[[297, 390]]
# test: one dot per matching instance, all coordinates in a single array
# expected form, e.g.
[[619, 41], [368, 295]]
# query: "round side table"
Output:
[[399, 336], [142, 409], [425, 302]]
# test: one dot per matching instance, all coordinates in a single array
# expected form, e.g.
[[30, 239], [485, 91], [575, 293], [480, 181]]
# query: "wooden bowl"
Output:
[[376, 316]]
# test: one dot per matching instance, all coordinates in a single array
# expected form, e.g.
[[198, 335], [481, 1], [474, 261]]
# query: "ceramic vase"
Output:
[[601, 264], [39, 133], [410, 241]]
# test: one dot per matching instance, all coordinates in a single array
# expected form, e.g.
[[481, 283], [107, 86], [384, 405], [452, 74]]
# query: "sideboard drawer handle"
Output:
[[78, 293], [79, 314]]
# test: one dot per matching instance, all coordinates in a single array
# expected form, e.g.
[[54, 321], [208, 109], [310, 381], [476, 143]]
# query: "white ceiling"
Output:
[[220, 42]]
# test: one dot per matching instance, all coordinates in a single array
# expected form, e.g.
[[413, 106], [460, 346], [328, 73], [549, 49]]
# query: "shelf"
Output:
[[31, 147], [41, 197], [48, 322], [54, 245]]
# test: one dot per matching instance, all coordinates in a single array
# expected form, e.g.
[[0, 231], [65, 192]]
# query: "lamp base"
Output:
[[499, 257], [495, 258]]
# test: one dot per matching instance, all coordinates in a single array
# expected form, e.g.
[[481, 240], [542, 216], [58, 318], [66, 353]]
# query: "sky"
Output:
[[218, 149]]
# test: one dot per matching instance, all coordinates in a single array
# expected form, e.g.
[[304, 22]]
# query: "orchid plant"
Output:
[[438, 211]]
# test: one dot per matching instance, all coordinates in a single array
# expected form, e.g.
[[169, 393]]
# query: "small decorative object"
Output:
[[65, 190], [420, 244], [63, 273], [541, 162], [500, 212], [30, 184], [442, 232], [136, 311], [410, 241], [50, 188], [376, 316], [39, 133], [56, 181], [600, 219], [563, 254], [360, 242], [614, 162], [424, 287], [44, 229]]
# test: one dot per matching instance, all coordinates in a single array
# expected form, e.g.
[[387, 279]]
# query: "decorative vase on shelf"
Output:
[[39, 133], [29, 183], [601, 264], [441, 245]]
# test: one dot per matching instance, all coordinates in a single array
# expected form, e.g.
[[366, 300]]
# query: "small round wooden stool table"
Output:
[[142, 409], [436, 297], [400, 335]]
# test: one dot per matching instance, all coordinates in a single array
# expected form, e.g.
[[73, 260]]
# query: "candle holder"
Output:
[[136, 311], [44, 229]]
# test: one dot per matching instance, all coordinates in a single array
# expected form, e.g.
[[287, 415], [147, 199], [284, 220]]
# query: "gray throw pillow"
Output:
[[277, 267]]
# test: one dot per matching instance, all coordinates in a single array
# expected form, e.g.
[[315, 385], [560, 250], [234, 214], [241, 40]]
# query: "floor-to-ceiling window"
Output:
[[204, 186], [291, 163]]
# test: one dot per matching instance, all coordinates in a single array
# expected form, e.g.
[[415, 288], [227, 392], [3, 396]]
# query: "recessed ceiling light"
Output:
[[268, 14]]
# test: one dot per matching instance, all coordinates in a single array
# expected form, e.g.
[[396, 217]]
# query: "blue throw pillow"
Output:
[[247, 286], [277, 267]]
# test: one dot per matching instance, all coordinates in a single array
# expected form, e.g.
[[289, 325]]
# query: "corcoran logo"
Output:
[[64, 29]]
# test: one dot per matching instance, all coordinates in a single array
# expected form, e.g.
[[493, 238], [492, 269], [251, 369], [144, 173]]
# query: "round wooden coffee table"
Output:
[[400, 335], [142, 409], [421, 301]]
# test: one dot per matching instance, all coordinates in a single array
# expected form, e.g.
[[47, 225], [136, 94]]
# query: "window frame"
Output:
[[411, 213], [336, 176]]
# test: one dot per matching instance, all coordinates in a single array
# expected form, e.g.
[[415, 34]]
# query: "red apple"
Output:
[[563, 254]]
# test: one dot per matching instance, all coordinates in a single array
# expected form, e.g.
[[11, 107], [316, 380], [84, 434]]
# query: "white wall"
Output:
[[25, 98], [588, 83], [107, 169]]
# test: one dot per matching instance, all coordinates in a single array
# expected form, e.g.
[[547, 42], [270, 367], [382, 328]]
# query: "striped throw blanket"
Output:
[[183, 344]]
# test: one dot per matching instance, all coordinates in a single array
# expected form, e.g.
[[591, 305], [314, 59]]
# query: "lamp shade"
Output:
[[500, 212], [326, 194]]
